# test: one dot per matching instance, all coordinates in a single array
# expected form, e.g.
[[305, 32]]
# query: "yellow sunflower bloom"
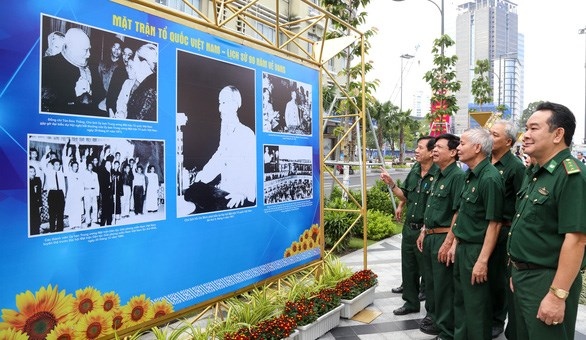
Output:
[[161, 308], [110, 301], [119, 320], [94, 324], [63, 331], [138, 310], [84, 302], [12, 334], [38, 314]]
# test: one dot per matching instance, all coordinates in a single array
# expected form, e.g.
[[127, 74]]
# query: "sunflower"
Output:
[[38, 314], [94, 324], [138, 310], [161, 308], [110, 301], [12, 334], [119, 320], [85, 301], [63, 331]]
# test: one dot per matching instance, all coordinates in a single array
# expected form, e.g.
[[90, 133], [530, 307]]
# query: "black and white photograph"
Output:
[[77, 183], [288, 173], [92, 72], [216, 142], [286, 105]]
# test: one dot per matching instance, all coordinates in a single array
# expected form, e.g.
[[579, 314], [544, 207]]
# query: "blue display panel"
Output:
[[146, 164]]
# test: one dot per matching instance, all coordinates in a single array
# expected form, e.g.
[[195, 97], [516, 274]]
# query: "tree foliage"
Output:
[[481, 88], [442, 79], [526, 114]]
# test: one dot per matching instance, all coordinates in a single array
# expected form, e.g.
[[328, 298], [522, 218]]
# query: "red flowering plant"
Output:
[[275, 328], [357, 284], [307, 310]]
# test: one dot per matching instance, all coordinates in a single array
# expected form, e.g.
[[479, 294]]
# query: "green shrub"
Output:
[[380, 225], [336, 223], [377, 199]]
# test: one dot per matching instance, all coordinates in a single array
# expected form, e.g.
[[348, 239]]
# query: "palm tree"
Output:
[[381, 113]]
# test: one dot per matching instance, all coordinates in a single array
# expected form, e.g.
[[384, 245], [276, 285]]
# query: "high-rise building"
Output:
[[488, 29]]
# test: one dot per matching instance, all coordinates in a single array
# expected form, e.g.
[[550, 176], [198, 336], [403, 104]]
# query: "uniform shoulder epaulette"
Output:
[[571, 166]]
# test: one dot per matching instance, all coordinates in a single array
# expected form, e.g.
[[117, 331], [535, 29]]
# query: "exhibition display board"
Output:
[[147, 166]]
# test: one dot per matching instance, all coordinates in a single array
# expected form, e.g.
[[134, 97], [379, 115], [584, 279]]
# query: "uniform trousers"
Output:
[[439, 286], [411, 268], [472, 303], [531, 286], [499, 279]]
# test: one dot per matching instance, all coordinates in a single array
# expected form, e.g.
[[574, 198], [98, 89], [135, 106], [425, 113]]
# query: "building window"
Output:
[[267, 31], [181, 6]]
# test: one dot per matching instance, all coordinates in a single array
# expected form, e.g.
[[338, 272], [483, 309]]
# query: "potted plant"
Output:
[[276, 328], [316, 315], [357, 292]]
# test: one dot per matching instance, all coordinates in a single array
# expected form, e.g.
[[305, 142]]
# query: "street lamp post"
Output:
[[403, 56], [441, 10], [583, 31]]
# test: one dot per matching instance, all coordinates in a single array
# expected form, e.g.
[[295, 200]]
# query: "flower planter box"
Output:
[[321, 326], [292, 336], [351, 307]]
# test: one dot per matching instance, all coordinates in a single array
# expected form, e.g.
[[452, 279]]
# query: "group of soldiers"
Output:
[[498, 241]]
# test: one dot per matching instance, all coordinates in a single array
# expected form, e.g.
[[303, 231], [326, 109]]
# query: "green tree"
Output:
[[481, 89], [382, 113], [442, 80], [526, 114], [352, 12], [404, 121]]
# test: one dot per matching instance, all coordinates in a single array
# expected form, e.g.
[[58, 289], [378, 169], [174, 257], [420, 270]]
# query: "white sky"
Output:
[[554, 51]]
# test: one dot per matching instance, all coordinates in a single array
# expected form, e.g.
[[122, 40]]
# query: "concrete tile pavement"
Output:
[[384, 258]]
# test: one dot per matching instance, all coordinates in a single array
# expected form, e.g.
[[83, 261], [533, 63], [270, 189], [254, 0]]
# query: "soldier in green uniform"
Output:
[[414, 193], [476, 230], [436, 238], [547, 238], [511, 168]]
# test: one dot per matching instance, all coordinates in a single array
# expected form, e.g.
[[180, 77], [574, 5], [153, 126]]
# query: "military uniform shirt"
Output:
[[444, 197], [550, 204], [513, 172], [417, 189], [481, 201]]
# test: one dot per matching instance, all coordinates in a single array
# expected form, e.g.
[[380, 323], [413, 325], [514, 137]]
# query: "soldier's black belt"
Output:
[[415, 226], [527, 266]]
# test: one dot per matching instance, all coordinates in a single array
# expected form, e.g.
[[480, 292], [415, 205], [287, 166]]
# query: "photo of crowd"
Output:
[[288, 173], [286, 105], [216, 135], [77, 183], [92, 72]]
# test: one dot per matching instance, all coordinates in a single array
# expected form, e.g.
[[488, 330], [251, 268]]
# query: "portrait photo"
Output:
[[92, 72], [216, 142]]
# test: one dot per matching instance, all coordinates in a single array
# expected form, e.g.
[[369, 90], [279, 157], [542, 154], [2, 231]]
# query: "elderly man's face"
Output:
[[78, 50]]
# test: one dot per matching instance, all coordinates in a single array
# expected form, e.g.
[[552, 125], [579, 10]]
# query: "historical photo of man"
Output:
[[217, 149], [91, 72]]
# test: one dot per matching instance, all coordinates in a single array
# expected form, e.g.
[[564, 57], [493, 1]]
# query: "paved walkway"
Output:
[[384, 258]]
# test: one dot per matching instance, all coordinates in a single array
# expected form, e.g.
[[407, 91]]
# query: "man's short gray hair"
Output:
[[481, 137], [510, 129]]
